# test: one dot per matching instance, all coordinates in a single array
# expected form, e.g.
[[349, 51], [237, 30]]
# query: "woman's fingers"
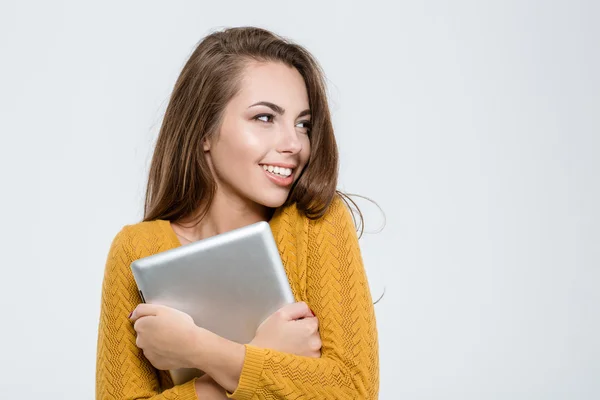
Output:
[[145, 310], [295, 311], [311, 324], [314, 343]]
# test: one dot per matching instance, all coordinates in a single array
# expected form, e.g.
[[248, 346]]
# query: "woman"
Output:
[[247, 137]]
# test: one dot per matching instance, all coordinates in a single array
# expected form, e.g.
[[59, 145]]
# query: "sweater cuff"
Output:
[[187, 391], [251, 373]]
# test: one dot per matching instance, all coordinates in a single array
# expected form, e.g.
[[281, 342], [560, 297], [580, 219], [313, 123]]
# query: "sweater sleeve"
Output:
[[122, 371], [338, 293]]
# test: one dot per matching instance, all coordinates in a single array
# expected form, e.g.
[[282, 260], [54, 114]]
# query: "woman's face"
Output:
[[263, 144]]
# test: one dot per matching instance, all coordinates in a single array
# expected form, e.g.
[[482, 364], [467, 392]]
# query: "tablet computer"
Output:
[[228, 283]]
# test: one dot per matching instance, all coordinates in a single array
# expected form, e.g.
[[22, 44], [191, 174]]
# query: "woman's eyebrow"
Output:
[[279, 110], [303, 113]]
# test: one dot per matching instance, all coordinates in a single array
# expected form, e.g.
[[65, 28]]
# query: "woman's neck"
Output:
[[224, 214]]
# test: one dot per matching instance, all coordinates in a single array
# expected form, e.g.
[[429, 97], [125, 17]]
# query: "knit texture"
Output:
[[324, 267]]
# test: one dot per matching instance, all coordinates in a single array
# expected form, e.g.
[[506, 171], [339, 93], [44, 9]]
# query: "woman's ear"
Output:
[[206, 145]]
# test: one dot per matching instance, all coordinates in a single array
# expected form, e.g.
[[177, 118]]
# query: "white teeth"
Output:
[[278, 170]]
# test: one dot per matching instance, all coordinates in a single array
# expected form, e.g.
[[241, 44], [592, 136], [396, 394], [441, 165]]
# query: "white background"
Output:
[[475, 126]]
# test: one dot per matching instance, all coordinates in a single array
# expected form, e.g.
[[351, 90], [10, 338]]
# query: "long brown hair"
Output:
[[180, 183]]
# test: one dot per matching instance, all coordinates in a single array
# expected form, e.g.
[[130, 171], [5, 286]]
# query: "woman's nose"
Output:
[[289, 141]]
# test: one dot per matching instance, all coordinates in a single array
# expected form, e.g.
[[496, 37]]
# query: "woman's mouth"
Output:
[[279, 175], [281, 171]]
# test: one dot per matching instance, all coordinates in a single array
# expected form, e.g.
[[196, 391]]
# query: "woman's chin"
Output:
[[274, 201]]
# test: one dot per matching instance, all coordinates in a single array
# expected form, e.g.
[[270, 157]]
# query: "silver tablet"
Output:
[[228, 283]]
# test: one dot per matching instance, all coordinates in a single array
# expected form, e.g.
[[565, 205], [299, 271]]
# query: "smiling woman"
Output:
[[252, 137], [247, 137]]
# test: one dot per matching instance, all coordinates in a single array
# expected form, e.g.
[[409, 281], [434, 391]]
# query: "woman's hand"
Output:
[[292, 329], [168, 337]]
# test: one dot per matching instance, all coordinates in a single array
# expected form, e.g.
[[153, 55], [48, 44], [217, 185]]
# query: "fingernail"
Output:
[[312, 312], [130, 314]]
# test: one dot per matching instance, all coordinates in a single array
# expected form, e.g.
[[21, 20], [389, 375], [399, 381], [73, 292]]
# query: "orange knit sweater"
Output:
[[324, 268]]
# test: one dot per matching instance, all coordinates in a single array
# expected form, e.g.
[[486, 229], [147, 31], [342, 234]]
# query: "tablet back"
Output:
[[228, 283]]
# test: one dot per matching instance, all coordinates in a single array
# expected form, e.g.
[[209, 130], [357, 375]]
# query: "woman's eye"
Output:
[[306, 125], [264, 117]]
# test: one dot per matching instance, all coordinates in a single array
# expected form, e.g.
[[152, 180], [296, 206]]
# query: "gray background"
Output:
[[475, 126]]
